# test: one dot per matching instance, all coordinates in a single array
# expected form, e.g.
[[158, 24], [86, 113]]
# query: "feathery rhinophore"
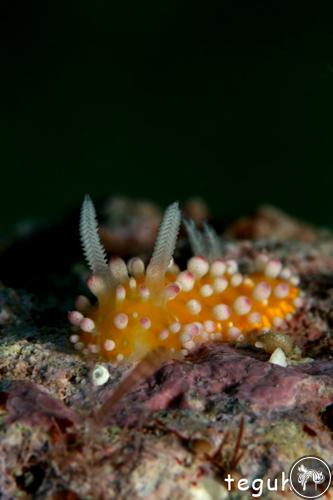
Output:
[[93, 249], [213, 245], [206, 243], [195, 237], [164, 246]]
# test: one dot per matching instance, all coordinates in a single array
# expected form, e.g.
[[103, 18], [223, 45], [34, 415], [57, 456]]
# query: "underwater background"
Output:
[[232, 101]]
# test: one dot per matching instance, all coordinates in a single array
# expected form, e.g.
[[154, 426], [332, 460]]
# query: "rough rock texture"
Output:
[[178, 432], [269, 222]]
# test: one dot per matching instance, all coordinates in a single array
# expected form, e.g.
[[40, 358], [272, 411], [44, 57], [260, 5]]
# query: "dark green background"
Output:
[[229, 100]]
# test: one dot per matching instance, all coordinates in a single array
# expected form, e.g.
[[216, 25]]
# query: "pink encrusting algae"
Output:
[[140, 309]]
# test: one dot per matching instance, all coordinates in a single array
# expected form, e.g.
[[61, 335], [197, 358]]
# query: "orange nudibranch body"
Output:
[[209, 301]]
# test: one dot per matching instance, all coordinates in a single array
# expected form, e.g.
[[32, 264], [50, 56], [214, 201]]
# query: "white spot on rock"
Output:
[[100, 375], [278, 357]]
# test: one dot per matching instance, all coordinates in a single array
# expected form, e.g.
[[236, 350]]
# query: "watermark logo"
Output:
[[310, 477]]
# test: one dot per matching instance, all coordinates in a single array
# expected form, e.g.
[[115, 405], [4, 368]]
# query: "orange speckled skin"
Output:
[[167, 315]]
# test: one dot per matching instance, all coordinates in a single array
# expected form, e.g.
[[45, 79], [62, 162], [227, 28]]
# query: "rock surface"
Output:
[[178, 432]]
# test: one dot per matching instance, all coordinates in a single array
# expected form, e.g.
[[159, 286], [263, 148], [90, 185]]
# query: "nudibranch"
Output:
[[140, 309]]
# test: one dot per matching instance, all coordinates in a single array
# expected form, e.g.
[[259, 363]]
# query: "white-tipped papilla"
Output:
[[92, 348], [96, 285], [206, 290], [232, 266], [298, 302], [74, 338], [294, 280], [185, 337], [286, 273], [217, 268], [261, 261], [273, 268], [171, 291], [75, 317], [209, 326], [175, 327], [120, 292], [248, 282], [198, 266], [242, 305], [220, 284], [281, 290], [193, 329], [164, 334], [118, 269], [82, 303], [234, 333], [221, 312], [278, 322], [174, 269], [262, 291], [109, 345], [132, 283], [136, 267], [145, 323], [120, 321], [144, 292], [189, 345], [87, 325], [254, 318], [194, 306], [236, 279], [186, 281]]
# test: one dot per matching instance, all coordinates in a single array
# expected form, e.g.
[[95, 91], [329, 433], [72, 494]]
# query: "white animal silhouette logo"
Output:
[[306, 475]]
